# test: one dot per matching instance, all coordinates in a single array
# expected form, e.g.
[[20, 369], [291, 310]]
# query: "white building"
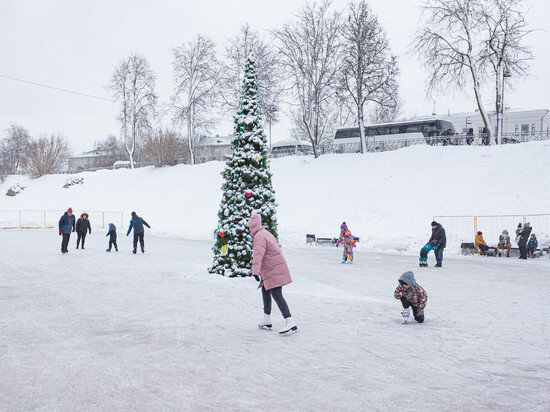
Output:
[[213, 148], [515, 122], [87, 160]]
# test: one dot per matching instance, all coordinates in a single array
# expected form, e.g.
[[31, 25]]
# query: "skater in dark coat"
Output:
[[524, 237], [111, 233], [412, 295], [137, 223], [82, 228], [66, 227], [437, 242]]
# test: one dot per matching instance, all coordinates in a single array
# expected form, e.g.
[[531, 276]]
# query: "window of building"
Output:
[[533, 127], [517, 128], [524, 128]]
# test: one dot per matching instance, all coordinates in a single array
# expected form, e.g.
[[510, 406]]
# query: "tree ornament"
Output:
[[248, 194], [222, 234]]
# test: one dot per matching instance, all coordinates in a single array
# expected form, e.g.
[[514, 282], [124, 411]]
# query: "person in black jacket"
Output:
[[439, 240], [137, 223], [82, 228], [66, 226], [111, 233], [524, 237]]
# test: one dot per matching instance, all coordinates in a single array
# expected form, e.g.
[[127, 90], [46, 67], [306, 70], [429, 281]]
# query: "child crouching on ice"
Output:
[[112, 237], [411, 294], [349, 243]]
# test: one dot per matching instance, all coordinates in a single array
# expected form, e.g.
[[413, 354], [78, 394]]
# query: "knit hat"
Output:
[[505, 231], [255, 220], [69, 210], [479, 233], [133, 213], [344, 226], [434, 223]]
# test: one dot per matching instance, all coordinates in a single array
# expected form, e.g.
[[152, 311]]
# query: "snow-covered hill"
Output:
[[388, 199]]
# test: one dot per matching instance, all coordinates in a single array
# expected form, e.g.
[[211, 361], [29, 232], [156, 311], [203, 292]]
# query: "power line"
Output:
[[57, 88]]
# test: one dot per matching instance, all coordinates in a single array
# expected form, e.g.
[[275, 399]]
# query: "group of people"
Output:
[[527, 242], [68, 224]]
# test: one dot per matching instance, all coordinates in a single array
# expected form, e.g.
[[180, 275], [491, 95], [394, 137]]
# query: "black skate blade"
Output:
[[293, 329]]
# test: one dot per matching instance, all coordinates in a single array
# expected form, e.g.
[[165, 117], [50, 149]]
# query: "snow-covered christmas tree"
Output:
[[247, 185]]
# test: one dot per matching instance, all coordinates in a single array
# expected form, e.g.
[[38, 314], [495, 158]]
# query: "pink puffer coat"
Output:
[[268, 261]]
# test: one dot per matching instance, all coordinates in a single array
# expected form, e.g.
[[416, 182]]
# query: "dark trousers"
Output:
[[80, 236], [483, 248], [65, 242], [112, 242], [139, 236], [277, 294], [522, 250], [418, 313], [439, 255]]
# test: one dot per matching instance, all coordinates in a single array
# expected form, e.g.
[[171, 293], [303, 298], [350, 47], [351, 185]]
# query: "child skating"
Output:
[[349, 243], [112, 237], [412, 295]]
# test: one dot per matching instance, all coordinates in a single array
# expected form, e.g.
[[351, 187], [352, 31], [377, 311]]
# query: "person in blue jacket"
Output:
[[66, 227], [137, 223]]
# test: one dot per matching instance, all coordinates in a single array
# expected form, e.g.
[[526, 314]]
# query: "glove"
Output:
[[60, 233], [256, 277]]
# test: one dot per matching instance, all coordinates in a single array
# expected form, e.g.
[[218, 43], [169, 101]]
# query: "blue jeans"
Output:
[[439, 255]]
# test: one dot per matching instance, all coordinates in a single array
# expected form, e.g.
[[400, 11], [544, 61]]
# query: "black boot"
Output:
[[134, 251]]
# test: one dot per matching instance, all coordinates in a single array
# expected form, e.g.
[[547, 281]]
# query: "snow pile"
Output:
[[387, 199]]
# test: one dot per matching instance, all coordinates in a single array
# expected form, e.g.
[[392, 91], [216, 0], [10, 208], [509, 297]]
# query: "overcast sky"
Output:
[[75, 45]]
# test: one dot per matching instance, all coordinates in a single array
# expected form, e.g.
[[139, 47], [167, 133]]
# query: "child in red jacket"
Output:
[[412, 295]]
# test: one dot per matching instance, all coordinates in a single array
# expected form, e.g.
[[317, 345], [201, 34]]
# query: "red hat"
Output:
[[479, 233], [70, 210]]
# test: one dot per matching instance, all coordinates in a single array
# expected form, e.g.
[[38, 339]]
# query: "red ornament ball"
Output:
[[248, 193], [222, 234]]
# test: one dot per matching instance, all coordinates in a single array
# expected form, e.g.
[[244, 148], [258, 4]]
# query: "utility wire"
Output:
[[57, 88]]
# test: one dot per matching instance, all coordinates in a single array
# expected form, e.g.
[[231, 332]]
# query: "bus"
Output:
[[398, 134], [291, 148]]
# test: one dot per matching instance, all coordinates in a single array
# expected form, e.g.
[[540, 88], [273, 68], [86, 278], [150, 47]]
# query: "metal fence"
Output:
[[48, 219], [463, 228]]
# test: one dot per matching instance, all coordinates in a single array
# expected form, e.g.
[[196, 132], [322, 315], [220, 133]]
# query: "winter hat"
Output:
[[528, 224], [112, 226], [480, 233], [69, 210], [84, 214], [134, 214], [505, 231], [434, 223], [408, 278], [255, 220], [343, 226]]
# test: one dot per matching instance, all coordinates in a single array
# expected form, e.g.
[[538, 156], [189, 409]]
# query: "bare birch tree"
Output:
[[368, 70], [197, 80], [13, 148], [46, 155], [309, 50], [270, 87], [133, 85], [506, 53], [450, 46]]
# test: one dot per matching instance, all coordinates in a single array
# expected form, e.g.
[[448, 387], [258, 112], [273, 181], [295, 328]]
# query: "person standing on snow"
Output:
[[437, 242], [523, 238], [82, 228], [349, 243], [66, 226], [412, 295], [270, 268], [137, 223], [111, 233]]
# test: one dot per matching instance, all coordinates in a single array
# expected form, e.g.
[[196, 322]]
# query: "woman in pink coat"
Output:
[[269, 264]]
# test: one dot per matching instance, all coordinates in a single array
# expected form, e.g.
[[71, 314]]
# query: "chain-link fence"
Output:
[[48, 219], [463, 228]]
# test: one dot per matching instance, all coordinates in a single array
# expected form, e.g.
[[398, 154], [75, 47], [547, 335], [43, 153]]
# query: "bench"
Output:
[[470, 248], [311, 239]]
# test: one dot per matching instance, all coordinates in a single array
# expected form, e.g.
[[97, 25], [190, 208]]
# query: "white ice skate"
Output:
[[266, 322], [290, 325], [406, 313]]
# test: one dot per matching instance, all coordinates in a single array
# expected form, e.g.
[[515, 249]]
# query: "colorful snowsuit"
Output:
[[349, 243], [415, 294], [532, 246], [427, 248]]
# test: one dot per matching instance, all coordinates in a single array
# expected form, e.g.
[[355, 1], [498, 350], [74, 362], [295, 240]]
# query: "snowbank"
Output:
[[388, 199]]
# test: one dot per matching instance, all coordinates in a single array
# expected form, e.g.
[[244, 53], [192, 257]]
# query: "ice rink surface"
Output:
[[98, 331]]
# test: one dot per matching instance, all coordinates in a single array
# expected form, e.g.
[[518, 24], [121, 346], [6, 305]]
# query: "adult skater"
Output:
[[523, 238], [270, 268], [412, 295], [82, 228], [437, 243], [137, 223], [349, 243], [66, 226]]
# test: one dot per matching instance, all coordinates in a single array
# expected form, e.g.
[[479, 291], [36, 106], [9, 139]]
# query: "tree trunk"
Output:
[[499, 103], [484, 117], [362, 135]]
